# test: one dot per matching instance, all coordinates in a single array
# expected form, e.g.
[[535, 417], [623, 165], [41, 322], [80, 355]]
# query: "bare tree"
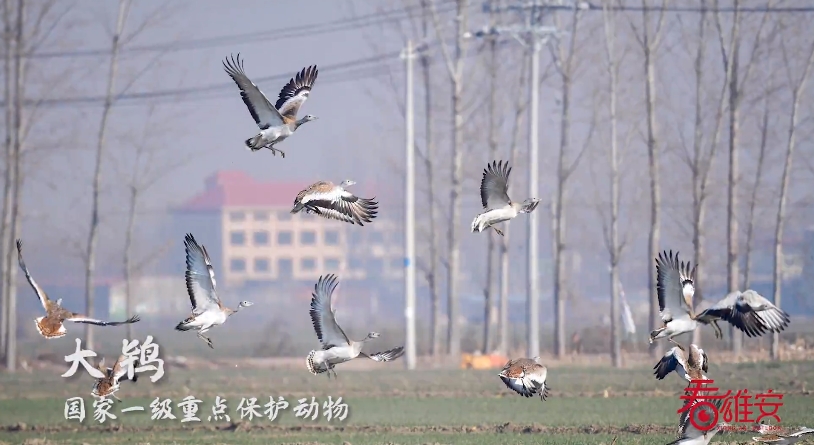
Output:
[[564, 55], [503, 305], [455, 68], [649, 42], [90, 255], [493, 68], [611, 227], [797, 86], [8, 73], [433, 240]]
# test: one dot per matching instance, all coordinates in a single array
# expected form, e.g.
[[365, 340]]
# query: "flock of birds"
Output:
[[747, 311]]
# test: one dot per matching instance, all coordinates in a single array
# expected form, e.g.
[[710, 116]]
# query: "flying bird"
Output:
[[497, 206], [336, 346], [747, 311], [207, 309], [334, 202], [279, 121], [688, 365], [109, 384], [50, 326], [526, 377]]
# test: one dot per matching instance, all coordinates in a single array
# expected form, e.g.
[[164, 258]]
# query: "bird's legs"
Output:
[[499, 232], [718, 333], [672, 340], [206, 339], [655, 334], [275, 150], [114, 396]]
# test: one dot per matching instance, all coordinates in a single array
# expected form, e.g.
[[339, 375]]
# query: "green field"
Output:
[[391, 406]]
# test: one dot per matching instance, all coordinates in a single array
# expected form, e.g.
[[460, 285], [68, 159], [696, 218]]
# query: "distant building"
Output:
[[252, 237]]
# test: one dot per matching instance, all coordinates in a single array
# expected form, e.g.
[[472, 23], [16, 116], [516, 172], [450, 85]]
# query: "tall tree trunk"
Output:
[[489, 292], [649, 46], [563, 171], [455, 66], [13, 211], [128, 254], [732, 272], [434, 238], [5, 237], [777, 275], [614, 247], [90, 268], [761, 160], [503, 318]]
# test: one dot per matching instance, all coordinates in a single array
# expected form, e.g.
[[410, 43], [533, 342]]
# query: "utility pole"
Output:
[[532, 35], [409, 214]]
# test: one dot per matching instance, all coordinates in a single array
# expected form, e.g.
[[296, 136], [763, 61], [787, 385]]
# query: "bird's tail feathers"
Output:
[[253, 143], [183, 326]]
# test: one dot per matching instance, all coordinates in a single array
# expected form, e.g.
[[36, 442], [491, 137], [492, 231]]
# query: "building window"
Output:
[[237, 216], [237, 238], [261, 215], [332, 264], [237, 265], [261, 265], [356, 237], [308, 264], [283, 216], [331, 237], [356, 264], [376, 237], [308, 237], [375, 267], [261, 238], [285, 268], [284, 237]]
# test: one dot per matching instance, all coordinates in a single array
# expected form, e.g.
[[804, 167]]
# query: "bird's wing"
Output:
[[296, 92], [687, 430], [43, 297], [323, 316], [200, 276], [670, 273], [351, 209], [769, 438], [739, 315], [802, 432], [264, 114], [771, 316], [494, 185], [669, 362], [386, 356], [119, 371], [79, 318]]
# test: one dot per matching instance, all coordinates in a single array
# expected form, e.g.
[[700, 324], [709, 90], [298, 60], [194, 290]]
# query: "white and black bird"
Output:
[[526, 377], [771, 435], [51, 325], [279, 121], [207, 309], [497, 206], [689, 365], [688, 434], [336, 346], [335, 202], [747, 311]]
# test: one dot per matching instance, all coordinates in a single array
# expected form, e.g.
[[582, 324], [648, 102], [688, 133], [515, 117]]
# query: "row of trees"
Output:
[[29, 28], [706, 92]]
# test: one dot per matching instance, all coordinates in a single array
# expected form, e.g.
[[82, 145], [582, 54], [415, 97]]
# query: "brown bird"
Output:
[[109, 384], [526, 377], [334, 202], [50, 326]]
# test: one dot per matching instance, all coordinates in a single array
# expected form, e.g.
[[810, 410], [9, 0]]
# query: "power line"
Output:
[[588, 6], [286, 33]]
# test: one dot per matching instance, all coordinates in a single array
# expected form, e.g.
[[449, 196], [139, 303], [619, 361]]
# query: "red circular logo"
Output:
[[703, 419]]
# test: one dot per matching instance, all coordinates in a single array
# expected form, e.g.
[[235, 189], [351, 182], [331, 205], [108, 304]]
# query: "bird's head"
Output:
[[245, 304], [529, 205], [309, 118], [372, 335], [347, 183]]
